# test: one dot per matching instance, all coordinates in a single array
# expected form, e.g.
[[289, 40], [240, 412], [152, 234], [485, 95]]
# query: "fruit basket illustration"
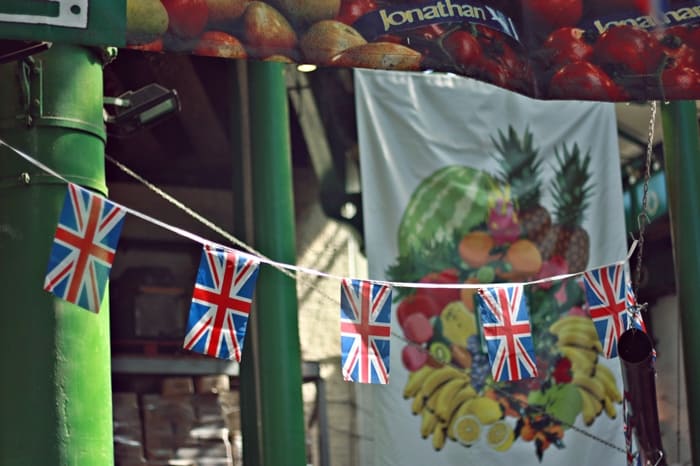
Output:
[[464, 225]]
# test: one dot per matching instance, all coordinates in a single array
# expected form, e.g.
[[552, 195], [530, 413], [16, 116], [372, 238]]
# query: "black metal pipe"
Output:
[[638, 373]]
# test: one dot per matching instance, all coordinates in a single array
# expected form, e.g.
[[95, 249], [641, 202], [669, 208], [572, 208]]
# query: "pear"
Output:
[[327, 38], [266, 32], [302, 13], [146, 20]]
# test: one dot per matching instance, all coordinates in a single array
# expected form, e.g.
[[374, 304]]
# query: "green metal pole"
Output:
[[682, 160], [55, 398], [279, 357], [243, 229]]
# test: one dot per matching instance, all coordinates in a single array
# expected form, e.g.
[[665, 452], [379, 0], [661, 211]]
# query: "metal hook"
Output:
[[661, 456]]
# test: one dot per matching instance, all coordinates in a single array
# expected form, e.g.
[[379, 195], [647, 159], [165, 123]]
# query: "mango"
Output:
[[379, 55], [302, 13], [327, 38], [266, 32]]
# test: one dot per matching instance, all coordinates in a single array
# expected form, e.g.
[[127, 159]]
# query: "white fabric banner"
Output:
[[465, 182]]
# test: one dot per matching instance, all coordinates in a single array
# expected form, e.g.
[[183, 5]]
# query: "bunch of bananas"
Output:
[[577, 339], [448, 405]]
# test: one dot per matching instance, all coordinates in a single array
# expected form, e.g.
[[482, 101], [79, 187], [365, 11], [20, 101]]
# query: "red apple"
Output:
[[417, 328], [441, 296], [417, 303], [413, 357]]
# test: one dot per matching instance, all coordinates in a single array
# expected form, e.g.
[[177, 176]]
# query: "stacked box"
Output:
[[167, 424], [212, 384], [214, 447], [190, 428], [128, 434], [131, 462], [174, 386], [237, 447], [218, 410], [171, 463], [209, 441]]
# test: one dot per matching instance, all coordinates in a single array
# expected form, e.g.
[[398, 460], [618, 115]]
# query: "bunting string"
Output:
[[271, 262], [294, 271], [335, 301]]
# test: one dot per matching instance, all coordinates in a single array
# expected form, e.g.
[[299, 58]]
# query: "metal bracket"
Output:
[[30, 78], [66, 13]]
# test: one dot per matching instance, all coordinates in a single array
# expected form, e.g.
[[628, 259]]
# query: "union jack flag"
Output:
[[221, 303], [606, 293], [506, 326], [637, 320], [365, 328], [83, 248]]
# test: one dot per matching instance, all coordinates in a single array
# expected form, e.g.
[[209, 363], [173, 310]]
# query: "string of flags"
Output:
[[85, 244]]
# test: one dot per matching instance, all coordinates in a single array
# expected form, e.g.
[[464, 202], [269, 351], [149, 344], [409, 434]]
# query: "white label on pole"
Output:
[[71, 13]]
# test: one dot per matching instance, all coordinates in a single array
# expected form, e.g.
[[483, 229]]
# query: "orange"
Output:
[[467, 294], [474, 248], [525, 259]]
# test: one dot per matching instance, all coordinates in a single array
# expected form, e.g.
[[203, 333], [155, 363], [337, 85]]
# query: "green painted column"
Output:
[[55, 395], [243, 229], [682, 159], [279, 356]]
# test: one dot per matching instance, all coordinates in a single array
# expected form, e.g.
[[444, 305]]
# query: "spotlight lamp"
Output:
[[136, 110]]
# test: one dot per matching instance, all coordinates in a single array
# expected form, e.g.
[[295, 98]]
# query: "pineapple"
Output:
[[571, 191], [520, 169]]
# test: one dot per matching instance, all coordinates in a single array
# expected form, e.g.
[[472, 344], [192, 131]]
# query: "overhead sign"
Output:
[[68, 13], [74, 21], [614, 51], [600, 50]]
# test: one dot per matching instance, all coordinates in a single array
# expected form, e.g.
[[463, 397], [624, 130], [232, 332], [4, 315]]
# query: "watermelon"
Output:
[[453, 200]]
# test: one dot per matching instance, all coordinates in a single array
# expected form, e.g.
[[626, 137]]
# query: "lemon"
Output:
[[488, 411], [500, 436], [441, 352], [467, 430], [458, 323]]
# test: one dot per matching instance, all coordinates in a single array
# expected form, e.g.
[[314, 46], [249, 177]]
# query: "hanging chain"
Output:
[[643, 218]]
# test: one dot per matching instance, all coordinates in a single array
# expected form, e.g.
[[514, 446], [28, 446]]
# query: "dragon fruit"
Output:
[[503, 222]]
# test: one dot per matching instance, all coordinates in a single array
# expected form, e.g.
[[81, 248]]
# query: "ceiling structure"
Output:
[[194, 149], [194, 145]]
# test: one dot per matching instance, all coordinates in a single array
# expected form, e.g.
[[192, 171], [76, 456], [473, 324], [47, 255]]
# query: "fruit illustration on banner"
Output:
[[188, 18], [326, 39], [266, 31], [463, 225], [147, 19], [220, 44], [571, 192], [553, 49]]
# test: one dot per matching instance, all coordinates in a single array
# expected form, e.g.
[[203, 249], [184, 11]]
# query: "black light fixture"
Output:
[[13, 50], [135, 110]]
